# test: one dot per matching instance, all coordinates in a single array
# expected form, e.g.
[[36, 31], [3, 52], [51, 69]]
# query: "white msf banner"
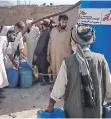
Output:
[[95, 16], [89, 16]]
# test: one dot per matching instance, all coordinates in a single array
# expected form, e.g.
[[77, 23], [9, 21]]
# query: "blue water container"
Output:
[[107, 110], [57, 113], [12, 75], [26, 76]]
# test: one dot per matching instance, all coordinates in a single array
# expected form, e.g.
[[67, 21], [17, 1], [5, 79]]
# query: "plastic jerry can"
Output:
[[12, 75], [57, 113], [26, 75], [25, 49]]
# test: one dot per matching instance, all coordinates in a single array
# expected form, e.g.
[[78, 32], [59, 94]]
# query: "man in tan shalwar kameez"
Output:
[[59, 44]]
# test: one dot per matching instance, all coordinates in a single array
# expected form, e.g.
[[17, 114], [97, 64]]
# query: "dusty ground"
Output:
[[23, 103]]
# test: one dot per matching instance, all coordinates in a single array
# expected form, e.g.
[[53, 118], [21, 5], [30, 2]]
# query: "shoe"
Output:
[[49, 82], [45, 83], [2, 97]]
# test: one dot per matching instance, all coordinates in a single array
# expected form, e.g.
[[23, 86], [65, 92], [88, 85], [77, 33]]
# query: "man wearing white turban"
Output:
[[31, 38]]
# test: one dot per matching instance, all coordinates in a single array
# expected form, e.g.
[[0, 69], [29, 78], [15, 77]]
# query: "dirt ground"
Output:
[[24, 103]]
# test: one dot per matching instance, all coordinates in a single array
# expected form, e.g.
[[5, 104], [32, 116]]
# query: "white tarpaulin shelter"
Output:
[[5, 30]]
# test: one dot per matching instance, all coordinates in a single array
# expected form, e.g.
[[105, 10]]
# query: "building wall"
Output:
[[73, 14]]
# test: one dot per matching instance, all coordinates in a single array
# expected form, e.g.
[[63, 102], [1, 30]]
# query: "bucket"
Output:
[[26, 76], [12, 75], [57, 113]]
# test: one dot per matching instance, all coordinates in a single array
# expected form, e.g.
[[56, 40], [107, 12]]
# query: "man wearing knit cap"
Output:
[[40, 55], [84, 79]]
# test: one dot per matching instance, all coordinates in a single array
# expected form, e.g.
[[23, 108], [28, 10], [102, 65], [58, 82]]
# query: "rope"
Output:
[[53, 15], [45, 74], [39, 73], [49, 16]]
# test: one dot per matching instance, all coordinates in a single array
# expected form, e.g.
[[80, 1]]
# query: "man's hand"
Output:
[[50, 108], [12, 60], [21, 57], [35, 57], [11, 57]]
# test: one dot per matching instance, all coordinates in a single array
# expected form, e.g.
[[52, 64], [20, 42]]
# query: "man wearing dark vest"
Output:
[[40, 54], [84, 78]]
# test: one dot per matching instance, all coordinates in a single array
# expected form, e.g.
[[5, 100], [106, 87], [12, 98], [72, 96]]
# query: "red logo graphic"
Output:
[[107, 17], [82, 13]]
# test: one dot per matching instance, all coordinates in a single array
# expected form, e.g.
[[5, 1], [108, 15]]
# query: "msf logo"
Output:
[[82, 13], [107, 17]]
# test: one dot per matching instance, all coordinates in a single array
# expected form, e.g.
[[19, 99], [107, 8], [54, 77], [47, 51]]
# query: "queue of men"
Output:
[[39, 47], [83, 77]]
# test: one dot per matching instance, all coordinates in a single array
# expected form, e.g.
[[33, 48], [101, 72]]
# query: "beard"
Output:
[[63, 27], [11, 38]]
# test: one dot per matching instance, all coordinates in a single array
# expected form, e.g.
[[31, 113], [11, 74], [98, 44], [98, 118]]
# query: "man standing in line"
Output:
[[84, 79], [31, 37], [59, 44], [40, 55]]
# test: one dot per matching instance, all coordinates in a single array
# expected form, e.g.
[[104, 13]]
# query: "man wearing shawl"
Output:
[[84, 78]]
